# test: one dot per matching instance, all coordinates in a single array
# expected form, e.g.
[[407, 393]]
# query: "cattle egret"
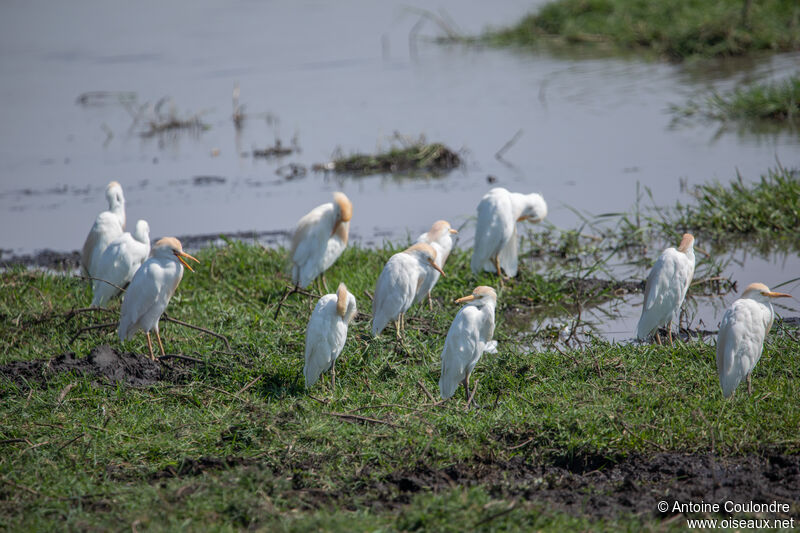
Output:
[[666, 287], [496, 239], [327, 333], [740, 340], [107, 226], [319, 239], [440, 238], [150, 290], [120, 261], [469, 337], [398, 284]]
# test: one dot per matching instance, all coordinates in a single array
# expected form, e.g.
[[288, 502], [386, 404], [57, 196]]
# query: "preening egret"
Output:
[[440, 238], [107, 226], [398, 284], [470, 335], [319, 239], [119, 262], [740, 340], [666, 287], [496, 239], [327, 333], [150, 290]]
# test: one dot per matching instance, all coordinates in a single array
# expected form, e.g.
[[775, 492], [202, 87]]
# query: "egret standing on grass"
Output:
[[666, 287], [496, 239], [469, 337], [119, 263], [319, 239], [740, 340], [107, 226], [327, 333], [441, 239], [398, 283], [150, 290]]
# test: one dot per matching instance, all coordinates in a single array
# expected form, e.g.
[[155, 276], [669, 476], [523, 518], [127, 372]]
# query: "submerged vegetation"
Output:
[[410, 156], [676, 29], [777, 101]]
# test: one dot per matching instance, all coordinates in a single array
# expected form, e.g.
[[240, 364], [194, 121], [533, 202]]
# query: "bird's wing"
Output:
[[111, 267], [335, 245], [661, 294], [320, 339], [309, 242], [509, 253], [394, 291], [494, 228], [461, 350], [740, 342], [148, 294]]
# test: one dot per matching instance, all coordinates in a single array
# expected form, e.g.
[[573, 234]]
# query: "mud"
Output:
[[103, 362], [49, 259], [591, 485]]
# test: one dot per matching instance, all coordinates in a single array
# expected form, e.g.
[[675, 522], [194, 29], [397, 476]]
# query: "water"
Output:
[[338, 75]]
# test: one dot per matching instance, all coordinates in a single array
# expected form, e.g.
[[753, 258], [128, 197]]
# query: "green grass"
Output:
[[767, 211], [776, 102], [95, 455], [675, 29]]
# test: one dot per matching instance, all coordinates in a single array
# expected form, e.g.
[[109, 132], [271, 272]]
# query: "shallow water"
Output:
[[338, 75]]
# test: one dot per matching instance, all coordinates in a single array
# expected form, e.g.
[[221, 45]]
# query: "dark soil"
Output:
[[590, 485], [42, 259], [104, 362]]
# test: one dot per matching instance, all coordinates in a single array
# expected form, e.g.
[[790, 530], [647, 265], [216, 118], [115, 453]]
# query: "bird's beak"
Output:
[[523, 218], [434, 265], [701, 251], [777, 294], [181, 255], [453, 230], [466, 299]]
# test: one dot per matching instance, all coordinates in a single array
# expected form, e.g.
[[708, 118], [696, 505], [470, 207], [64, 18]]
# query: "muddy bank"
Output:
[[590, 485], [103, 362]]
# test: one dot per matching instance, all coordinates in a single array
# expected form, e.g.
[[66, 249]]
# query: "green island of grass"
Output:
[[674, 29]]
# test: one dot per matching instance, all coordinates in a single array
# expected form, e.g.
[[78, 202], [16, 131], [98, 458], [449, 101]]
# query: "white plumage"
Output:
[[440, 238], [119, 262], [151, 289], [327, 332], [319, 239], [107, 226], [470, 335], [666, 287], [496, 240], [398, 283], [742, 331]]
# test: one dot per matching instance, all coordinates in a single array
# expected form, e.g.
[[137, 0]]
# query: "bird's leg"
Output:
[[669, 332], [397, 328], [499, 271], [466, 389], [472, 395], [658, 339], [333, 377], [430, 302], [749, 385], [150, 346], [159, 343], [324, 284]]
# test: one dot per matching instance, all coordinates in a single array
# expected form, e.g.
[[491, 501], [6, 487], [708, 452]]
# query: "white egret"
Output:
[[107, 226], [440, 238], [740, 340], [151, 289], [496, 239], [470, 335], [398, 284], [119, 262], [319, 239], [666, 287], [327, 333]]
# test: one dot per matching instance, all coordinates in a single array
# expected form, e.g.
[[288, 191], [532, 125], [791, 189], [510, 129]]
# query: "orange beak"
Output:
[[700, 250], [453, 230], [777, 294], [466, 299], [181, 255], [434, 265]]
